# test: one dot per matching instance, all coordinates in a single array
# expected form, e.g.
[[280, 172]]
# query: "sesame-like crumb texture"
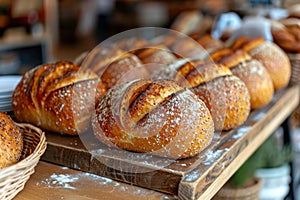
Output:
[[11, 141], [228, 100], [157, 117], [57, 97], [257, 80]]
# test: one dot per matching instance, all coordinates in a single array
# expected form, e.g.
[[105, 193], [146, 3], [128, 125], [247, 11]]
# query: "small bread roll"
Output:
[[11, 141], [153, 116]]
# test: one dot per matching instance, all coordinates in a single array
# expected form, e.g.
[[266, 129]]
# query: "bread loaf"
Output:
[[11, 141], [116, 66], [275, 61], [57, 97], [294, 11], [182, 46], [273, 58], [156, 54], [253, 74], [130, 44], [257, 80], [207, 41], [225, 95], [286, 34], [157, 117], [126, 67], [100, 57]]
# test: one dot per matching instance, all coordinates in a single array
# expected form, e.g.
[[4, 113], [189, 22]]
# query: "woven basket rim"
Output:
[[13, 178], [294, 55], [34, 157]]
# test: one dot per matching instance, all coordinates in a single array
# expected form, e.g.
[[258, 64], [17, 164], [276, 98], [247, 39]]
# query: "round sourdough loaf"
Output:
[[253, 74], [273, 58], [225, 95]]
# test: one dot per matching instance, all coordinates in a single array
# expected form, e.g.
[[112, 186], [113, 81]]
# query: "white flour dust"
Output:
[[68, 181], [241, 131], [59, 181]]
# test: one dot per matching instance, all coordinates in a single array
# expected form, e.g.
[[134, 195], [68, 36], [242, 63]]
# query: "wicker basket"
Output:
[[14, 177], [295, 63]]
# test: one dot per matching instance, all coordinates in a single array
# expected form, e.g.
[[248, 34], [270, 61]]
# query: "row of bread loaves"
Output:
[[150, 99]]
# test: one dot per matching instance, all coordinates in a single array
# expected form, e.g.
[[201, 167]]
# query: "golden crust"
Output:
[[286, 34], [161, 118], [11, 141], [207, 41], [126, 67], [239, 42], [257, 80], [217, 55], [98, 59], [57, 97], [275, 60], [206, 72], [228, 100], [235, 58], [155, 54], [253, 43]]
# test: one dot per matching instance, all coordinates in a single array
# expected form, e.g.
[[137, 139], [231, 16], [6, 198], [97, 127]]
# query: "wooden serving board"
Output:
[[199, 177]]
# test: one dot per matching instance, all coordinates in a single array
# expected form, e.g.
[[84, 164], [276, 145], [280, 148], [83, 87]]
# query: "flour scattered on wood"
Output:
[[68, 181], [72, 182], [192, 176], [60, 181], [241, 131], [208, 159], [212, 156], [259, 116]]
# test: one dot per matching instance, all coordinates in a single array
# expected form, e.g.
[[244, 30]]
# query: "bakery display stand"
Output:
[[199, 177]]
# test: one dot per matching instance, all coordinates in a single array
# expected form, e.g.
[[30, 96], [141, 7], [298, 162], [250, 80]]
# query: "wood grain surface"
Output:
[[54, 182], [199, 177]]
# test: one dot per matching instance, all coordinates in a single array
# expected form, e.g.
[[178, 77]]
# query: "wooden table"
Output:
[[53, 181]]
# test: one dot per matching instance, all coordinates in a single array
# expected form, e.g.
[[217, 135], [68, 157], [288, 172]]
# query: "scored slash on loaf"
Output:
[[250, 71], [225, 95], [165, 96], [57, 97], [157, 117]]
